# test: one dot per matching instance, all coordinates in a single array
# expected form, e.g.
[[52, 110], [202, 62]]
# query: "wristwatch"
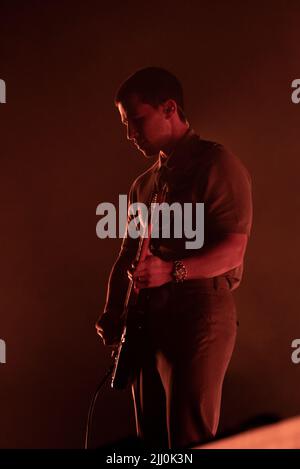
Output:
[[179, 272]]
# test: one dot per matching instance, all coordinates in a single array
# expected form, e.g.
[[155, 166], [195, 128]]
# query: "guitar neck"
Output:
[[144, 244]]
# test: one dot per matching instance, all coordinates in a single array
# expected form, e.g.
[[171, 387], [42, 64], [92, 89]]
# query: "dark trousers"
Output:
[[190, 336]]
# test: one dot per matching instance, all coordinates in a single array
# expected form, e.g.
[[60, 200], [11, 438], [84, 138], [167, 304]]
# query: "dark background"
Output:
[[63, 151]]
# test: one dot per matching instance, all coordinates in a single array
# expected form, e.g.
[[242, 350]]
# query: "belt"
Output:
[[214, 283]]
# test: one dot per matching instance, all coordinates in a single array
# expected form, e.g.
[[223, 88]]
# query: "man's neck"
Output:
[[178, 136]]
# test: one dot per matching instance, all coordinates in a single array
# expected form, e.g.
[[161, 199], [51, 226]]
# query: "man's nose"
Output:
[[131, 132]]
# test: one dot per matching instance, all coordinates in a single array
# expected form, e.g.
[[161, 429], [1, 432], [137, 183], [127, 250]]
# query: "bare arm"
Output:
[[212, 261], [109, 324], [217, 259]]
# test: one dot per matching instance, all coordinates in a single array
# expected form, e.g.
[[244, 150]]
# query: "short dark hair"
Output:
[[153, 85]]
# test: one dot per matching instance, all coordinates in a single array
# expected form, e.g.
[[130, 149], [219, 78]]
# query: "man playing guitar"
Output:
[[189, 314]]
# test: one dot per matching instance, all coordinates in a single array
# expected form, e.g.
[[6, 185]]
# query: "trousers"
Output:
[[190, 336]]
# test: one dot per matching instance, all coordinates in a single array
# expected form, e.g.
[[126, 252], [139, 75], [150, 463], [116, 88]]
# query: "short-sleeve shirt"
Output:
[[198, 170]]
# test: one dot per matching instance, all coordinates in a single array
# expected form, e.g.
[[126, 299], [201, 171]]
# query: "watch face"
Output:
[[180, 272]]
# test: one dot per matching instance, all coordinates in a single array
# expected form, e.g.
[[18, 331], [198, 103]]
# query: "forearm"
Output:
[[117, 284], [217, 259], [109, 324]]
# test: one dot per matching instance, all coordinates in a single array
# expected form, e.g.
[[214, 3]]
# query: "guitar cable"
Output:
[[92, 407]]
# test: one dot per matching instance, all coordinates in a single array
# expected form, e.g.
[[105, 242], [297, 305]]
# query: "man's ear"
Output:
[[169, 107]]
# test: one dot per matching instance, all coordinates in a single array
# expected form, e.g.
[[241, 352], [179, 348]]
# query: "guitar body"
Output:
[[129, 351]]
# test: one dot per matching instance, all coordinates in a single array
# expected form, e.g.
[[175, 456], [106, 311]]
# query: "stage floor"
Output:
[[281, 435]]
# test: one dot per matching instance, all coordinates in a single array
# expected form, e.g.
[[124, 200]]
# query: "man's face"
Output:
[[148, 127]]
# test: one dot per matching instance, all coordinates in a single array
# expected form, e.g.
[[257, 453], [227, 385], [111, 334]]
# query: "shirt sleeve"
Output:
[[227, 195]]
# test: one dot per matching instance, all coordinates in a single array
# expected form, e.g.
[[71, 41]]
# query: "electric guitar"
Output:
[[127, 354]]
